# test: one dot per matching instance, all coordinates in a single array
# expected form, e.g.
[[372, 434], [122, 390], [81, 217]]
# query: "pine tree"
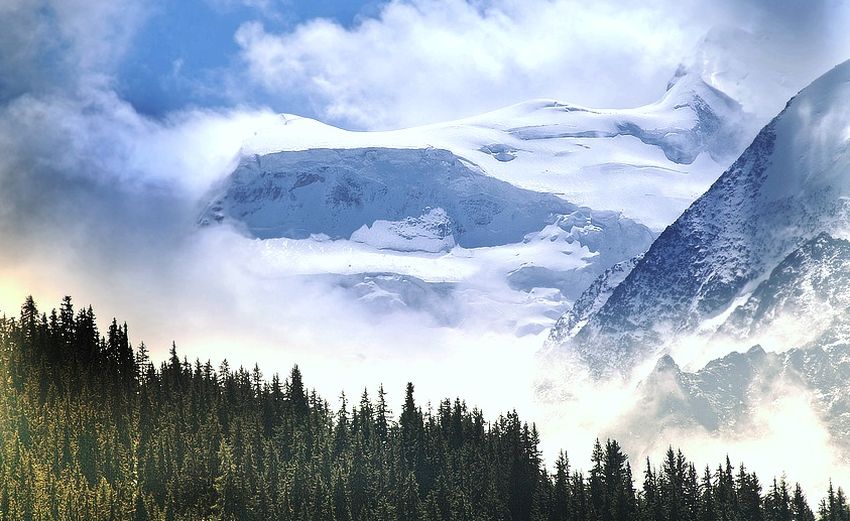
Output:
[[409, 505], [94, 431], [412, 427], [708, 501], [800, 510], [561, 492], [653, 502], [596, 484], [382, 416]]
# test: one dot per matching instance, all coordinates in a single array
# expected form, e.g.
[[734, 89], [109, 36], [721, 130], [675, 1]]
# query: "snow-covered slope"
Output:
[[407, 198], [591, 300], [428, 203], [690, 119], [649, 163], [811, 286], [789, 186], [533, 201]]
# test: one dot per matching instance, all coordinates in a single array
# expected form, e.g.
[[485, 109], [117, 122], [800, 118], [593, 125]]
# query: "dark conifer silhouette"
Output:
[[91, 430]]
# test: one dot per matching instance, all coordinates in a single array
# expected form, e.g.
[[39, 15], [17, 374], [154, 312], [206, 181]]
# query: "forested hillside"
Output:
[[91, 429]]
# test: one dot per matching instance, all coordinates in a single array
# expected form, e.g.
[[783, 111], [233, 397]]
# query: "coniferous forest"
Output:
[[91, 429]]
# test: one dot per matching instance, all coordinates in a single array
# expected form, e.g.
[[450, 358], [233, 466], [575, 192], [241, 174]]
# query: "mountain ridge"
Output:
[[786, 188]]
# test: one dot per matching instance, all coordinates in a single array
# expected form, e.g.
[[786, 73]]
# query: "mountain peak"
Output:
[[666, 364], [756, 351], [789, 186], [757, 68], [681, 71]]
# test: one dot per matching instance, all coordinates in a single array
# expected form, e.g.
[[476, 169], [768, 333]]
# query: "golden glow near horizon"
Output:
[[12, 294], [17, 283]]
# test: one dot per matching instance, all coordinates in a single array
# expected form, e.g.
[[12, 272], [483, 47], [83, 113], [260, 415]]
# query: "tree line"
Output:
[[92, 429]]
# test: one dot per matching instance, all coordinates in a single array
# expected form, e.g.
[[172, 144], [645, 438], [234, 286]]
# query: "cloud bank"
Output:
[[99, 201], [424, 61]]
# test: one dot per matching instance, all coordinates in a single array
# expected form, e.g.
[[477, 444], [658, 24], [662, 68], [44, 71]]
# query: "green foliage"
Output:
[[91, 430]]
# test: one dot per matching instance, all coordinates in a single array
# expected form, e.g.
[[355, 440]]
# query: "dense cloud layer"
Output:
[[410, 62], [99, 201], [429, 60]]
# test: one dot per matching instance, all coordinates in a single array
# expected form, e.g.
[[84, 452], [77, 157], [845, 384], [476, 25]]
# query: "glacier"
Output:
[[535, 199]]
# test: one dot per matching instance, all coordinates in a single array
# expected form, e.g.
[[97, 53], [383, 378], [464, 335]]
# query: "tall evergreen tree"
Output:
[[91, 430]]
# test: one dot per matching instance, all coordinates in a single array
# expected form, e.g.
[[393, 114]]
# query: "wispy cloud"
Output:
[[421, 61], [440, 59], [56, 44]]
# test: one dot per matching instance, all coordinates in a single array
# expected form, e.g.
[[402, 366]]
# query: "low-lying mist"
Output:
[[101, 203]]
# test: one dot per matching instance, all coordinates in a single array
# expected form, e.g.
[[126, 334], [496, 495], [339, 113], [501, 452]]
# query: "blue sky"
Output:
[[184, 47], [381, 64]]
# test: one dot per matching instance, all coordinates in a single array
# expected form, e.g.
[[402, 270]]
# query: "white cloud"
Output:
[[436, 59], [100, 202], [422, 61], [54, 44], [783, 418]]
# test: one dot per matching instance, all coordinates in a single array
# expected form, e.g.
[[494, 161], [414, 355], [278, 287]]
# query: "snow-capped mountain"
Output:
[[690, 119], [726, 396], [539, 197], [590, 301], [788, 187], [426, 204], [809, 285], [401, 199], [649, 163]]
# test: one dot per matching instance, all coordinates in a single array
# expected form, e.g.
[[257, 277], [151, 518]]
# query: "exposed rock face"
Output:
[[787, 188]]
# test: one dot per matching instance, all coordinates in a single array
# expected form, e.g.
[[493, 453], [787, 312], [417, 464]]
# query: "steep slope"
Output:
[[589, 302], [810, 285], [727, 394], [715, 397], [790, 185]]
